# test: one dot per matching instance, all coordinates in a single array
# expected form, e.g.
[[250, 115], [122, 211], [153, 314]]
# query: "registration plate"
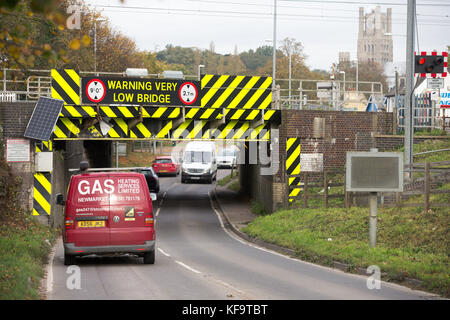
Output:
[[195, 178], [91, 224]]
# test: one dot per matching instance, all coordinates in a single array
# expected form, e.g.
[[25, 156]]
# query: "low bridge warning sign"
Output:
[[138, 91]]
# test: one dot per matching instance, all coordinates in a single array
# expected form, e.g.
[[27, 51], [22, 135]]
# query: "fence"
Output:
[[426, 178], [327, 189], [8, 97], [426, 114]]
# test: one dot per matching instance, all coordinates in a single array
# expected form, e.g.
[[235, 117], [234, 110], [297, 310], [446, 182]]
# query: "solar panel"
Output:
[[43, 119]]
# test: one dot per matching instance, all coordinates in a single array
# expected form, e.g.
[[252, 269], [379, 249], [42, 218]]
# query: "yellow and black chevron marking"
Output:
[[42, 193], [140, 131], [294, 188], [66, 86], [67, 128], [236, 92], [293, 156], [170, 113], [190, 129], [44, 146]]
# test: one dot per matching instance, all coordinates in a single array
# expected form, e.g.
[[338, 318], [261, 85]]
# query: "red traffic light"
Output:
[[422, 61]]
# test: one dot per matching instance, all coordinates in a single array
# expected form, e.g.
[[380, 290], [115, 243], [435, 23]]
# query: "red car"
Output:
[[108, 212], [166, 165]]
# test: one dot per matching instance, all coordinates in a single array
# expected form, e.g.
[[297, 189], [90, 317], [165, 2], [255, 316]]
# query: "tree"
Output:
[[367, 72], [253, 60]]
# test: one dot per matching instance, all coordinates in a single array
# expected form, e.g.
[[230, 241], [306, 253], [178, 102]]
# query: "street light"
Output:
[[95, 42], [199, 67]]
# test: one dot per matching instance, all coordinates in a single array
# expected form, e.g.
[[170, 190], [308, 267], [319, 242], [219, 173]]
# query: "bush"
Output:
[[258, 208]]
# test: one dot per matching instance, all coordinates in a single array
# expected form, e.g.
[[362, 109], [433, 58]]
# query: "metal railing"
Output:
[[306, 94], [426, 114]]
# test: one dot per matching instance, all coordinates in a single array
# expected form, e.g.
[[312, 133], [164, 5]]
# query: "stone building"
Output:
[[375, 36]]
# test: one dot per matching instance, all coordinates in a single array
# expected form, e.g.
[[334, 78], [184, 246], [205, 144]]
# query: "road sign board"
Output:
[[445, 99], [374, 172], [435, 83], [140, 91], [435, 95], [188, 93], [95, 90]]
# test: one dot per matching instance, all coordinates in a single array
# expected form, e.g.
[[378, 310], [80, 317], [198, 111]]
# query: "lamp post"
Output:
[[95, 42], [198, 70], [290, 73]]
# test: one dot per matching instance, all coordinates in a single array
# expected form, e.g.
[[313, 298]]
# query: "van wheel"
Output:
[[149, 257], [69, 259]]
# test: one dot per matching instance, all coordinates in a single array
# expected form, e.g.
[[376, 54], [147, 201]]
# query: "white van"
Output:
[[199, 162]]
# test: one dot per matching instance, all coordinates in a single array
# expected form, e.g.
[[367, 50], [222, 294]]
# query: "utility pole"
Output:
[[409, 103], [274, 59]]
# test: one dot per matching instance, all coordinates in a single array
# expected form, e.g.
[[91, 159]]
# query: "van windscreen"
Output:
[[197, 156]]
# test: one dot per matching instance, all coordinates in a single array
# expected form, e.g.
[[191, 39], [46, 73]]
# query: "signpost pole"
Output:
[[373, 219]]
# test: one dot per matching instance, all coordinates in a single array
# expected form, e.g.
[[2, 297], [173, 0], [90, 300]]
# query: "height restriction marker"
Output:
[[188, 93], [95, 90]]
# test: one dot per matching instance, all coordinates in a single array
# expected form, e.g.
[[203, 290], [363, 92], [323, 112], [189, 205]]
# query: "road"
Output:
[[197, 259]]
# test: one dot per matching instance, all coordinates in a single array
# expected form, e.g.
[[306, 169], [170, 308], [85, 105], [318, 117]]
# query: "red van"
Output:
[[108, 212]]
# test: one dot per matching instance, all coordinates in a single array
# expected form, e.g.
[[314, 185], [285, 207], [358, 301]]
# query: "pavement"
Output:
[[235, 206], [236, 213]]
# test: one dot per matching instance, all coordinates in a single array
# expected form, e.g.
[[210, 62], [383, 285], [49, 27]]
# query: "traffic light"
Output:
[[429, 64]]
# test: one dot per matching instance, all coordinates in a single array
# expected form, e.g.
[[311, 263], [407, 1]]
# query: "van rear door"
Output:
[[129, 206], [89, 210]]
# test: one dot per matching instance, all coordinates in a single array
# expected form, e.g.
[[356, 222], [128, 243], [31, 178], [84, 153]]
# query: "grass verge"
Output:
[[411, 243], [23, 254]]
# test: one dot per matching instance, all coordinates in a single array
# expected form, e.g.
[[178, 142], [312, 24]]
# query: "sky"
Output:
[[324, 27]]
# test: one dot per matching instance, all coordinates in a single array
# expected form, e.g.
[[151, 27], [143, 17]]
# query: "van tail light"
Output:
[[149, 221], [68, 223]]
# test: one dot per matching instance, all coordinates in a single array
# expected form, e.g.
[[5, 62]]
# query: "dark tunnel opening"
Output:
[[98, 153]]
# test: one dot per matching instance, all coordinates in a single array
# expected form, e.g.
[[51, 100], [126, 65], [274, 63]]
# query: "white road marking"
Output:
[[50, 270], [163, 252], [160, 203], [187, 267]]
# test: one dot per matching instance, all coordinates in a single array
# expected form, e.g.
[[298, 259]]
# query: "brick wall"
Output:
[[343, 131], [14, 119]]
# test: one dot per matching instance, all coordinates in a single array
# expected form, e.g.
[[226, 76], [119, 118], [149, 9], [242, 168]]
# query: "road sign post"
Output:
[[374, 172]]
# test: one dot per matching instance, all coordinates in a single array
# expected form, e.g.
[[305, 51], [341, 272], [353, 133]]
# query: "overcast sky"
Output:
[[324, 27]]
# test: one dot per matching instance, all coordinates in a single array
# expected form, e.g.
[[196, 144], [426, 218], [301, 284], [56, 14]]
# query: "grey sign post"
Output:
[[374, 172]]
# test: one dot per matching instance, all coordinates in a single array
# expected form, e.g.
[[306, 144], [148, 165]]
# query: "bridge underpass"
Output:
[[233, 109]]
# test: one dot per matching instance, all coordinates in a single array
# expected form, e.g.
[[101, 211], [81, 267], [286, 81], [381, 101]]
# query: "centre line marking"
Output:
[[187, 267], [163, 252]]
